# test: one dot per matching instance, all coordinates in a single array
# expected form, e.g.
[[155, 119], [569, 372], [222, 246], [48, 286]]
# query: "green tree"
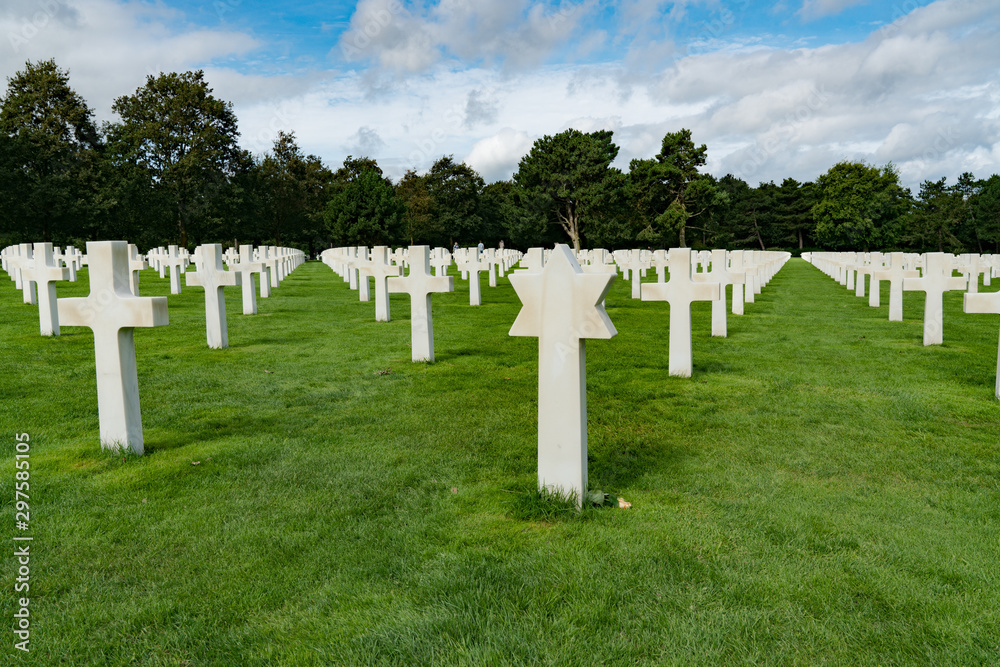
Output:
[[363, 209], [52, 156], [668, 190], [174, 132], [746, 216], [564, 178], [455, 191], [519, 226], [986, 209], [293, 192], [422, 228], [931, 223], [793, 220], [859, 206]]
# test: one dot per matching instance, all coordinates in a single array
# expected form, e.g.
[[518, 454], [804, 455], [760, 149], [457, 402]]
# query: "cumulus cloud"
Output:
[[496, 157], [455, 77], [514, 33], [109, 47]]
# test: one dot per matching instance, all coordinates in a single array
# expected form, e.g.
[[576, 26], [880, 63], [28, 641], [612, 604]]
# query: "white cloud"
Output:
[[515, 33], [921, 91], [109, 47], [496, 157]]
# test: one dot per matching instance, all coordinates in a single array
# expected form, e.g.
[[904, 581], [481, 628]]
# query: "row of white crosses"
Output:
[[686, 285], [427, 273], [932, 273], [113, 310]]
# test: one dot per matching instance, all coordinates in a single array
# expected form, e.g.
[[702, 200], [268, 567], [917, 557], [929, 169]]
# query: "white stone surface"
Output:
[[936, 281], [895, 274], [875, 266], [246, 267], [722, 276], [381, 269], [420, 284], [679, 292], [23, 262], [211, 275], [176, 262], [113, 312], [561, 307], [43, 271], [736, 266], [135, 264], [474, 265]]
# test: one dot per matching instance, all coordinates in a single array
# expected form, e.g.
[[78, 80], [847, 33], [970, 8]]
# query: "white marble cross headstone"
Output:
[[135, 265], [680, 291], [22, 280], [113, 312], [360, 264], [722, 276], [246, 267], [533, 260], [441, 261], [210, 274], [71, 256], [475, 264], [936, 281], [261, 255], [895, 274], [176, 262], [490, 258], [44, 271], [381, 269], [635, 264], [736, 266], [874, 267], [419, 284], [561, 306]]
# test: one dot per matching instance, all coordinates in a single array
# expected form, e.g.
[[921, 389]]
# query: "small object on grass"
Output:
[[623, 504], [194, 463], [267, 371], [387, 371], [144, 500], [454, 489]]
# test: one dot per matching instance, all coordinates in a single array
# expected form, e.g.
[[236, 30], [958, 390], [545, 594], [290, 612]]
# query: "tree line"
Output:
[[171, 171]]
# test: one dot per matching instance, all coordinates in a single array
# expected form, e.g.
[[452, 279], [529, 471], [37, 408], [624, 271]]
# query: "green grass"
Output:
[[824, 489]]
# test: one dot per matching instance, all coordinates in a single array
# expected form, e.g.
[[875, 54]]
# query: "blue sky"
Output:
[[775, 89]]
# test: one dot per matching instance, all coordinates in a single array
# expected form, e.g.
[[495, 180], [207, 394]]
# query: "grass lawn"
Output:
[[824, 489]]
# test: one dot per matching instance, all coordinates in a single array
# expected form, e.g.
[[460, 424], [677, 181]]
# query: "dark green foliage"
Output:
[[936, 216], [985, 212], [363, 209], [292, 191], [564, 178], [455, 190], [859, 206], [177, 135], [50, 158], [421, 226], [669, 192], [171, 172]]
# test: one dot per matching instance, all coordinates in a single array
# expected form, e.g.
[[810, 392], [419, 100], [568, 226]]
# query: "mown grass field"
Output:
[[823, 490]]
